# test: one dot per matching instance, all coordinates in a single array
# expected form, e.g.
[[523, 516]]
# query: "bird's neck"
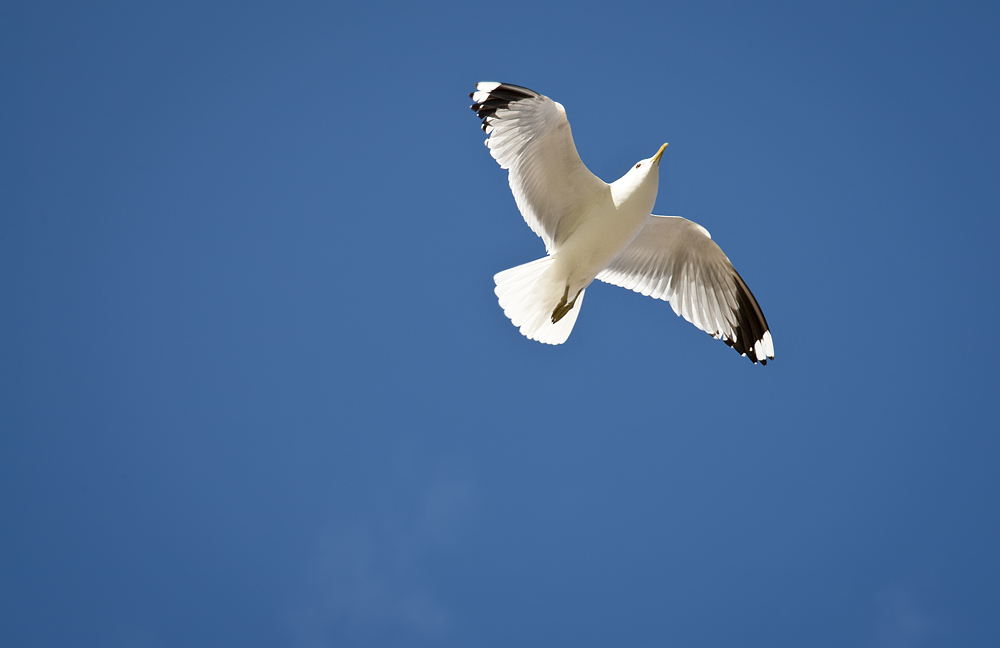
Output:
[[630, 195]]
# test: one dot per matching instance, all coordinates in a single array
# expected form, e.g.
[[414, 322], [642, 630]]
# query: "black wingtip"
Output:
[[751, 326], [499, 98]]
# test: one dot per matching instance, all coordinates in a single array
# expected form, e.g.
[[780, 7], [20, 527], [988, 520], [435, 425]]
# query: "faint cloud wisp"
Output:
[[900, 622], [368, 583]]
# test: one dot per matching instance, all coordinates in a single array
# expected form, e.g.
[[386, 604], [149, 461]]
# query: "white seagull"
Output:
[[593, 229]]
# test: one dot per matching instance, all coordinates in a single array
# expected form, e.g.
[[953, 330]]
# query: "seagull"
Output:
[[595, 230]]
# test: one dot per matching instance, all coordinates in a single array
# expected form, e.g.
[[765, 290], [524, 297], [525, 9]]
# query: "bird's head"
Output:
[[648, 168], [643, 177]]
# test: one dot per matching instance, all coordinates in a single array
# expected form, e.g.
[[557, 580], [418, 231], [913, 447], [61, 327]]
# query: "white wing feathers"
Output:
[[676, 260], [530, 136]]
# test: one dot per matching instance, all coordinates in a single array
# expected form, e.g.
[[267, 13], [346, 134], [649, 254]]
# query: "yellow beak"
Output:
[[656, 158]]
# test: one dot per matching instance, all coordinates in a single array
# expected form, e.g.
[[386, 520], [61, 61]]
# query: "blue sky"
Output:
[[256, 390]]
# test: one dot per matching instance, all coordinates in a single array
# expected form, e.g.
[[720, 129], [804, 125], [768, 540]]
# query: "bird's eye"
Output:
[[638, 165]]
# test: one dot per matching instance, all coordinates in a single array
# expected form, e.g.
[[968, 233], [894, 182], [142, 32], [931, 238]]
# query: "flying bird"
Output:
[[595, 230]]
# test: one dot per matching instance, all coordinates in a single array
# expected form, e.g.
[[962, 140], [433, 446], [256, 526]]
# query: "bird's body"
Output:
[[593, 229]]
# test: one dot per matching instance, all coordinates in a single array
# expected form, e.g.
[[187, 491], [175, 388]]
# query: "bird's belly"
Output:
[[598, 240]]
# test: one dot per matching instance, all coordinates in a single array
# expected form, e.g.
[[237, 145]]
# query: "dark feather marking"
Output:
[[750, 323], [499, 98]]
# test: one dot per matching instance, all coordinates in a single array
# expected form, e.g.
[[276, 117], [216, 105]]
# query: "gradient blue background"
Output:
[[257, 391]]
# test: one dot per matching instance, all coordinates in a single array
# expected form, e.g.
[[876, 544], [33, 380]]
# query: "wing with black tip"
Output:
[[676, 260], [530, 136]]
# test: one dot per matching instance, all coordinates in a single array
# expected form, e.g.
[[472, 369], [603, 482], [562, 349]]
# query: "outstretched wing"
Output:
[[530, 136], [675, 259]]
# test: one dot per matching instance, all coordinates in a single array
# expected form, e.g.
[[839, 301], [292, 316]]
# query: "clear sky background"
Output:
[[256, 390]]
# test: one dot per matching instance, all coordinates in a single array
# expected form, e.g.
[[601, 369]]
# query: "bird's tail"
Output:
[[539, 305]]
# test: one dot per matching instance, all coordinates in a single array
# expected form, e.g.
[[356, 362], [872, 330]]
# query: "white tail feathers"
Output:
[[528, 297]]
